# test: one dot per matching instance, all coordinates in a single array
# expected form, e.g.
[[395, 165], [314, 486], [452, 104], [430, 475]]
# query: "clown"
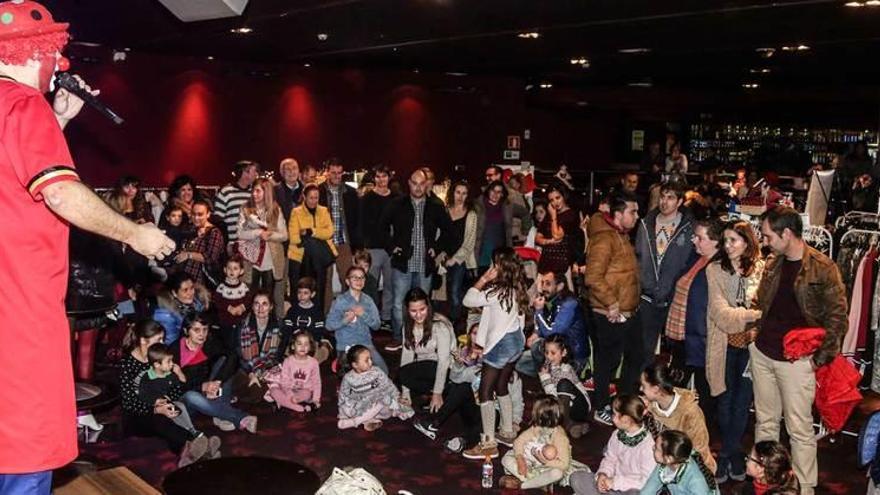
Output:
[[40, 194]]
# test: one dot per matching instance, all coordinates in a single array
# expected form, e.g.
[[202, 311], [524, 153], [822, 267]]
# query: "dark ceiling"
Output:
[[693, 43]]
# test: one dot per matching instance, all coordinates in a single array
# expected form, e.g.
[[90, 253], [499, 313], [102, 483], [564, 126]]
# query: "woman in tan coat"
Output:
[[733, 282]]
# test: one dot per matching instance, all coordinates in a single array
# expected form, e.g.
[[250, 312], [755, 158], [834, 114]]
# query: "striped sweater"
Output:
[[227, 204]]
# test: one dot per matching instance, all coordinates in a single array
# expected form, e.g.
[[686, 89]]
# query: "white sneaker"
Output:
[[249, 423], [224, 425]]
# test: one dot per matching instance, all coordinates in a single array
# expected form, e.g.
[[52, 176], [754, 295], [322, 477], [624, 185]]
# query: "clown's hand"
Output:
[[67, 105]]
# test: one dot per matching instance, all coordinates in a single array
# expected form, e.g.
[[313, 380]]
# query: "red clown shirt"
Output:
[[37, 402]]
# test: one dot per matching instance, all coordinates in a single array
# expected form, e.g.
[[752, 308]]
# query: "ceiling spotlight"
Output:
[[795, 48], [750, 85], [854, 4], [119, 56], [529, 35], [210, 57], [546, 85], [873, 3], [640, 84], [241, 30], [582, 103], [307, 65], [759, 71], [322, 36], [634, 51], [582, 61], [456, 74]]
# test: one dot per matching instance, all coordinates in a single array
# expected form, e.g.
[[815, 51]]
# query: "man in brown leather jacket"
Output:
[[612, 276], [801, 288]]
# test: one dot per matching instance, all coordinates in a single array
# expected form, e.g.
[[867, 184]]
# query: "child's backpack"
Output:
[[355, 481]]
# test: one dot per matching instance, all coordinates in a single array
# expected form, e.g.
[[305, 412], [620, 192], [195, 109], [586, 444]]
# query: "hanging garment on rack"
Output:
[[818, 196], [850, 340], [868, 296]]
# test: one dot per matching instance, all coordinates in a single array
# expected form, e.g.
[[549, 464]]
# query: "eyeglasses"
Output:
[[357, 277], [756, 461]]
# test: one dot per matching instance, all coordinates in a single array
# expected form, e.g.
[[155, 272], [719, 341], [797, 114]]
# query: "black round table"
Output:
[[243, 476]]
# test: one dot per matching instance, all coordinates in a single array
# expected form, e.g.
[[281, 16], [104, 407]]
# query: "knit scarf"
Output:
[[610, 219], [675, 322], [632, 440]]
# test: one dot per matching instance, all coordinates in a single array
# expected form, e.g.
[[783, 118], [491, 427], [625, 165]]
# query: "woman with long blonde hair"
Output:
[[261, 234]]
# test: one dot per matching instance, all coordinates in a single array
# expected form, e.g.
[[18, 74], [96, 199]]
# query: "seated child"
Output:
[[675, 408], [536, 471], [629, 454], [296, 384], [163, 383], [559, 379], [362, 258], [305, 315], [769, 466], [680, 469], [232, 299], [366, 395]]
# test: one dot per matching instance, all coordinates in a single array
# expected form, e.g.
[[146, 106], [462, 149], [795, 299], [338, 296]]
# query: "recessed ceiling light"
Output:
[[750, 85], [854, 4], [633, 51], [546, 85], [529, 35], [415, 71], [322, 36], [759, 71], [795, 48], [873, 3], [582, 61], [642, 84], [581, 103], [456, 74], [241, 30], [210, 57], [307, 65]]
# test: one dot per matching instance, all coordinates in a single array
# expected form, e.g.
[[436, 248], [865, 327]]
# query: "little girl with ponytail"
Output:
[[769, 465], [680, 469]]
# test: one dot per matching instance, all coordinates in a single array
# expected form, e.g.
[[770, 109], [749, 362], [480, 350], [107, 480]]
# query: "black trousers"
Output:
[[156, 425], [653, 321], [459, 398], [580, 408], [418, 376], [611, 342]]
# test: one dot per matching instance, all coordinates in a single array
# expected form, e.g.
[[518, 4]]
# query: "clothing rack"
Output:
[[858, 216], [820, 239], [853, 232]]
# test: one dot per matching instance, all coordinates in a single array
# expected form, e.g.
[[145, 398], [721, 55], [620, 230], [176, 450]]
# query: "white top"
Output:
[[495, 322]]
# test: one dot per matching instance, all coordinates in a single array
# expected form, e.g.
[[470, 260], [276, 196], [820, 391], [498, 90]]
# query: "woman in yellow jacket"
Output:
[[310, 220]]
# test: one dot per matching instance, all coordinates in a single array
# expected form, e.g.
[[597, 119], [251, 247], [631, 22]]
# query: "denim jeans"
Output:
[[733, 408], [196, 402], [39, 483], [381, 265], [455, 276], [403, 282]]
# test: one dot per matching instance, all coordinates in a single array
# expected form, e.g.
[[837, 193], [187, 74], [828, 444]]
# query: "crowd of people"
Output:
[[662, 326]]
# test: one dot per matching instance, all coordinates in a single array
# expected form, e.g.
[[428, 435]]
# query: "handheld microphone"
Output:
[[68, 82]]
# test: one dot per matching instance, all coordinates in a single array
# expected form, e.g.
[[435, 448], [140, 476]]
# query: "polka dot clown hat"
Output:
[[27, 29], [24, 18]]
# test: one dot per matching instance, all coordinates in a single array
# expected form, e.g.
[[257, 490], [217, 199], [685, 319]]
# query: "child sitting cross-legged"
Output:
[[366, 395], [526, 464], [629, 454], [296, 384], [306, 316], [162, 384]]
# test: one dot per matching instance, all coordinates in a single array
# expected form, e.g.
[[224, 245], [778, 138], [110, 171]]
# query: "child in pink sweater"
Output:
[[629, 455], [296, 384]]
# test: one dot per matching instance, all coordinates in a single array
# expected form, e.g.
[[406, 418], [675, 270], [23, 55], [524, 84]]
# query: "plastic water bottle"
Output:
[[487, 472]]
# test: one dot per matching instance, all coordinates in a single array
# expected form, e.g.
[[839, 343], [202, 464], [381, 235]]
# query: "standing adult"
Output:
[[40, 194], [801, 288], [412, 228], [494, 223], [262, 232], [501, 295], [373, 205], [613, 280], [494, 173], [232, 196], [200, 258], [341, 200], [686, 323], [310, 232], [460, 244], [665, 251], [288, 192], [733, 282], [559, 234]]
